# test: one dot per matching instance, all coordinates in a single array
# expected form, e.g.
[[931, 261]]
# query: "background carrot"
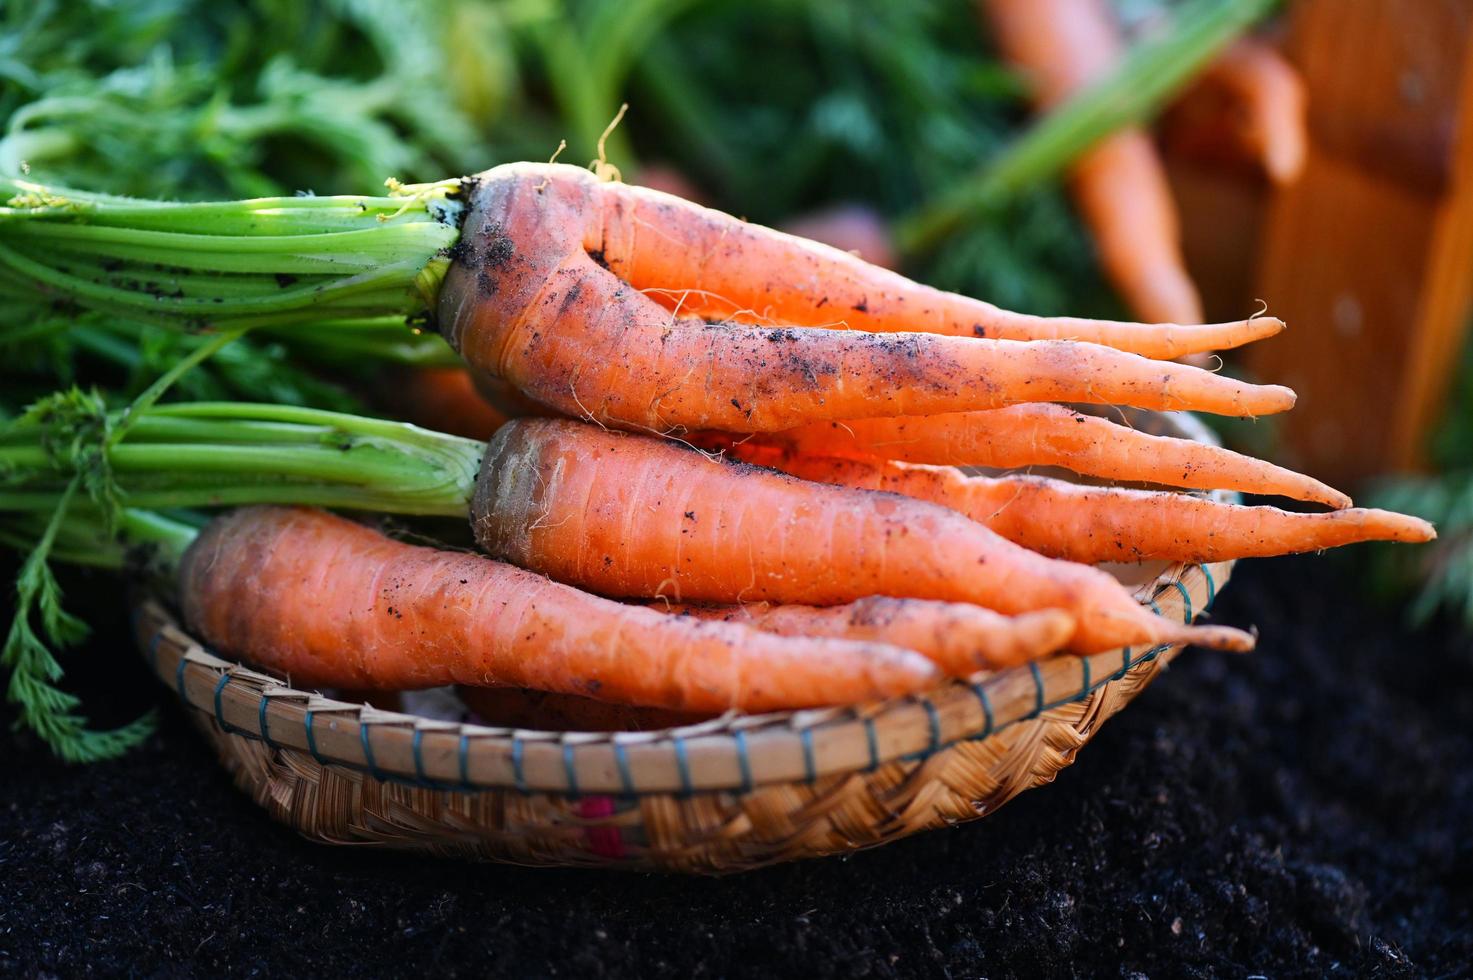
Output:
[[630, 515], [852, 228], [1095, 524], [329, 602], [1249, 104], [1048, 435], [442, 398], [1119, 184]]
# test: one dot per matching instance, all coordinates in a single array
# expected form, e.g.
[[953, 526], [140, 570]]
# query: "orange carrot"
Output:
[[851, 228], [444, 399], [502, 397], [1095, 524], [959, 638], [1248, 104], [528, 301], [635, 516], [516, 707], [709, 264], [329, 602], [1049, 435], [1119, 184]]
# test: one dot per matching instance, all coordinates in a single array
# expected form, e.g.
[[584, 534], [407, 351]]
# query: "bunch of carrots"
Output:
[[721, 471]]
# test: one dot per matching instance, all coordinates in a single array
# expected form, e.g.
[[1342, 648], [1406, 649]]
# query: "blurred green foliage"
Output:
[[1439, 576], [770, 107]]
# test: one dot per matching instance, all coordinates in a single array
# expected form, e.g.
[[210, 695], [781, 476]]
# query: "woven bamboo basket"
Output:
[[725, 795]]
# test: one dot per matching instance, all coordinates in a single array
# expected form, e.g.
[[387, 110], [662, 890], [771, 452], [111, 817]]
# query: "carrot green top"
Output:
[[267, 261]]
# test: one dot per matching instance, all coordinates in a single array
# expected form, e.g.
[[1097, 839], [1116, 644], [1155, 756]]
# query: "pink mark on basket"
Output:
[[605, 840]]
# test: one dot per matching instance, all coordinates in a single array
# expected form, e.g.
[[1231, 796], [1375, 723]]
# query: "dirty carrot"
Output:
[[1119, 184], [520, 269], [630, 515], [1050, 435], [1096, 524], [556, 324], [710, 265], [326, 601], [958, 637]]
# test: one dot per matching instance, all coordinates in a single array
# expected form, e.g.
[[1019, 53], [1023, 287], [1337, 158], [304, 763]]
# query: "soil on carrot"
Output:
[[1299, 811]]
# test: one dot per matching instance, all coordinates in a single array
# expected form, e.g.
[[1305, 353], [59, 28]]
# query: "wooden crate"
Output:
[[1369, 256]]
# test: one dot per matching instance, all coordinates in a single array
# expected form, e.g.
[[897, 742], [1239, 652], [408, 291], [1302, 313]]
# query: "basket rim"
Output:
[[735, 753]]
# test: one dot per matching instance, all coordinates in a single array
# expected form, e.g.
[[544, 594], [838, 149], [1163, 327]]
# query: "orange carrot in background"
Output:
[[329, 602], [1119, 184], [852, 228], [444, 399], [1049, 435], [960, 638], [630, 515], [1248, 105], [1096, 524]]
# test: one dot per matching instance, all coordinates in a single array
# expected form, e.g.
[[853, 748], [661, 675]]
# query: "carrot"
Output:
[[527, 300], [852, 228], [1119, 184], [959, 638], [711, 265], [1049, 435], [442, 398], [515, 707], [630, 515], [1096, 524], [330, 602], [1249, 103]]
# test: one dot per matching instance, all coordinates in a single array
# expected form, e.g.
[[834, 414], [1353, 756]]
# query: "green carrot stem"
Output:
[[1149, 74], [263, 262], [222, 453], [82, 537]]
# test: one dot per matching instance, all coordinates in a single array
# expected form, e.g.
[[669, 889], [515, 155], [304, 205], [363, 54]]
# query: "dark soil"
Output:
[[1307, 810]]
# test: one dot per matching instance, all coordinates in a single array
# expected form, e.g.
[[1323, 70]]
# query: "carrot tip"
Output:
[[1219, 638]]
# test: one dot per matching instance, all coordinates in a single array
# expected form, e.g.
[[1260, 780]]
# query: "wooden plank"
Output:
[[1369, 257]]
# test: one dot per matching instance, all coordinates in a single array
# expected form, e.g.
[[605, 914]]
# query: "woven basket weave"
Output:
[[729, 794]]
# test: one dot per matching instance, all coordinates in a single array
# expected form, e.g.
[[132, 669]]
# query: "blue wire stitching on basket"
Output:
[[985, 700], [682, 765], [263, 722], [363, 737], [519, 778], [626, 777], [744, 763], [933, 722], [1186, 601], [569, 770], [312, 740], [416, 748], [225, 726]]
